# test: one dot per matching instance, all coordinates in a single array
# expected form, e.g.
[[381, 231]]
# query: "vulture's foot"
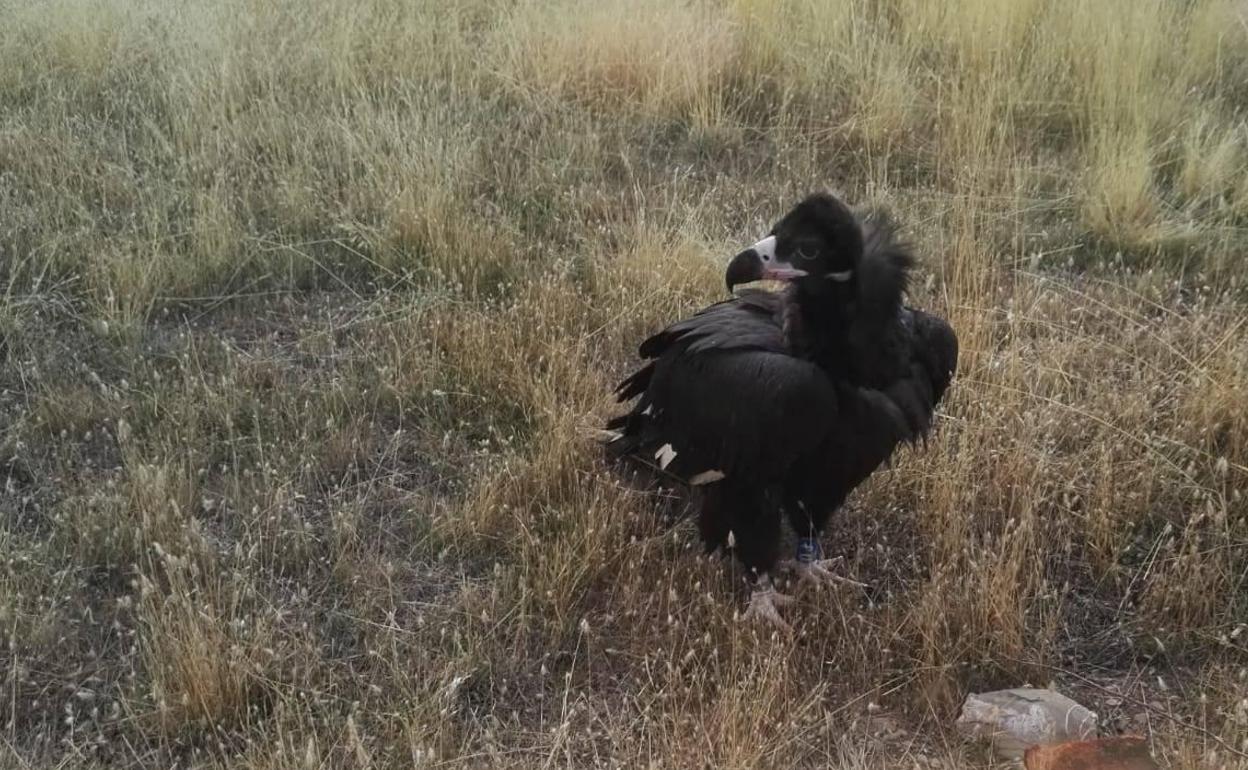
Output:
[[818, 572], [764, 600]]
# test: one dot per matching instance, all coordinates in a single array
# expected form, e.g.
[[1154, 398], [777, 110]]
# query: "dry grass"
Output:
[[305, 311]]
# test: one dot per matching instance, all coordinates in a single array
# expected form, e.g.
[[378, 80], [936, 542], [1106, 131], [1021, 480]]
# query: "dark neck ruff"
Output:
[[816, 323]]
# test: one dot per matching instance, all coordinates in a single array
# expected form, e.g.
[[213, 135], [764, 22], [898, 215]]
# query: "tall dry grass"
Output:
[[305, 311]]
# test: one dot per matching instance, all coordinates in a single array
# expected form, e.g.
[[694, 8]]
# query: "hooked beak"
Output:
[[759, 263]]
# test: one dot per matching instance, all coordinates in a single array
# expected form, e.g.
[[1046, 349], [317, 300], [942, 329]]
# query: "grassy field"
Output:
[[307, 310]]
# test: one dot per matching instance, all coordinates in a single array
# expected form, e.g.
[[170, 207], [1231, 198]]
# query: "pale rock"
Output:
[[1015, 720]]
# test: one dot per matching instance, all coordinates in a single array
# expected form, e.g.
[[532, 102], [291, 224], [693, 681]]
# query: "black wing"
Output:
[[751, 321], [723, 395], [936, 348], [909, 366], [908, 371]]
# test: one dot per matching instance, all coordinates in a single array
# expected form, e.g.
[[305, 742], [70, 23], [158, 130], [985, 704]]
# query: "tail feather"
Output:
[[635, 384], [604, 436], [625, 430]]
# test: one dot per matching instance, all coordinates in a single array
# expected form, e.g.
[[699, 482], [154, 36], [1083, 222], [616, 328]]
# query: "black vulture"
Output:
[[778, 404]]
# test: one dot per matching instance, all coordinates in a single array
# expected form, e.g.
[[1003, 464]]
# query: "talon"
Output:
[[763, 603], [818, 573]]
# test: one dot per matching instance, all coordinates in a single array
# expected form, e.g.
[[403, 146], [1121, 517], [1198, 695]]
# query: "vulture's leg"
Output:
[[755, 538], [808, 522], [714, 518]]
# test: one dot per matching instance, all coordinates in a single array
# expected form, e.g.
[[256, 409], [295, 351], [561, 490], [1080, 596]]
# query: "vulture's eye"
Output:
[[808, 254]]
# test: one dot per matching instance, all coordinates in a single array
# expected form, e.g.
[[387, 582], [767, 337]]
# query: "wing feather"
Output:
[[740, 411], [724, 391]]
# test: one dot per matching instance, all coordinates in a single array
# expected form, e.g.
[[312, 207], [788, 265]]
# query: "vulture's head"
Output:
[[819, 241]]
